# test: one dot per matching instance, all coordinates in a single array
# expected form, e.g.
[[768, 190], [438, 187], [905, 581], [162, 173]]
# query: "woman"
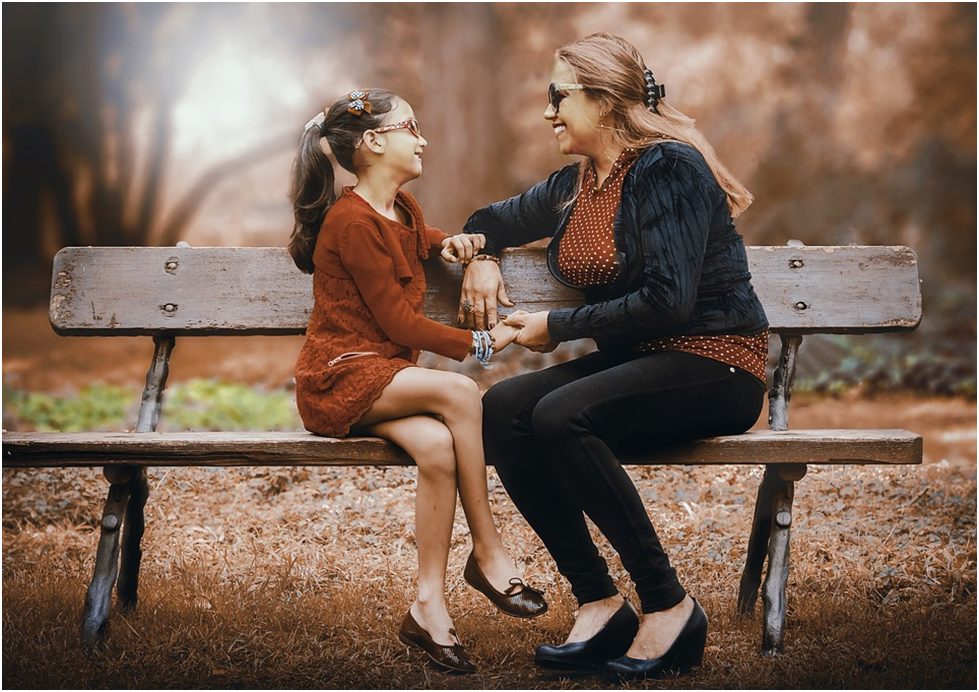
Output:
[[356, 371], [642, 225]]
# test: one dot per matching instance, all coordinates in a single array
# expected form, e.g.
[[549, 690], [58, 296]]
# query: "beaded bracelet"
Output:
[[483, 343], [477, 258]]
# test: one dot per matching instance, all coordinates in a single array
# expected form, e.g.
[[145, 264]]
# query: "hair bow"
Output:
[[358, 103]]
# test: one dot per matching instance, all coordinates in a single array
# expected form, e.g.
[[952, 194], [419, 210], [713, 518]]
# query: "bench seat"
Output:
[[301, 448]]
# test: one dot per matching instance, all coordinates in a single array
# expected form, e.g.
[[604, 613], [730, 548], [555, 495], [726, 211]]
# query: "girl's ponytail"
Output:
[[313, 177], [312, 196]]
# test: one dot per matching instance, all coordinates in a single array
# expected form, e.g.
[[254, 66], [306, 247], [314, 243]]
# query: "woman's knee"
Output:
[[557, 418], [503, 402]]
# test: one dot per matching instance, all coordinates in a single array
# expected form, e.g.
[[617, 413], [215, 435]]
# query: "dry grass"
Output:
[[298, 578]]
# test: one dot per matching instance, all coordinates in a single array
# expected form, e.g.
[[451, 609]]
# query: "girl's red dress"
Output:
[[367, 323]]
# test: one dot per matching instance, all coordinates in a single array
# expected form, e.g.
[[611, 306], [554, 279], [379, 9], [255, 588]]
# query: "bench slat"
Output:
[[135, 291], [301, 448]]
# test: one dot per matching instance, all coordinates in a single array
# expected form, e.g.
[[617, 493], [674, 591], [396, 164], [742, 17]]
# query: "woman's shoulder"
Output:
[[675, 160], [672, 152], [560, 184]]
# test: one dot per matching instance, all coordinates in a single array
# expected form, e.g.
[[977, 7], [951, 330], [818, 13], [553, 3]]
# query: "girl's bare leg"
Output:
[[429, 443], [455, 399]]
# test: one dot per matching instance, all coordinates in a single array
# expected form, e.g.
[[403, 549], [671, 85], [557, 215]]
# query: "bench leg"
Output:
[[132, 554], [761, 530], [770, 532], [773, 593], [98, 598], [127, 498]]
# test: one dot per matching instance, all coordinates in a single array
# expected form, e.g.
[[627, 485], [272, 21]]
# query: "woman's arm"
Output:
[[516, 221], [526, 217]]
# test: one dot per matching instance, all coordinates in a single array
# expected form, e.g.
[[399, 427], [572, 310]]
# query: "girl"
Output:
[[355, 372]]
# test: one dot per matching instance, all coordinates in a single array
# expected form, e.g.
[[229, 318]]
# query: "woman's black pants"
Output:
[[554, 436]]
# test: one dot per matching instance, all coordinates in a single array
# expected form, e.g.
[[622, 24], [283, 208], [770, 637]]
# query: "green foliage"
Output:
[[937, 358], [213, 405], [878, 366], [95, 407], [191, 405]]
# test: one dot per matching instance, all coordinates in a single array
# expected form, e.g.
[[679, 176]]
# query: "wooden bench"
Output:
[[165, 293]]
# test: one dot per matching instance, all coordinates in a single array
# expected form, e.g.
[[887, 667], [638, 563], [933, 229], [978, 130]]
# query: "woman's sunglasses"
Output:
[[411, 125], [554, 95]]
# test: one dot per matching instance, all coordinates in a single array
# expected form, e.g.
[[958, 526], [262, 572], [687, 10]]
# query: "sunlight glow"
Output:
[[235, 101]]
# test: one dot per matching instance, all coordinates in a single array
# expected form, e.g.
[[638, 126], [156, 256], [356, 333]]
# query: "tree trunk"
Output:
[[464, 162]]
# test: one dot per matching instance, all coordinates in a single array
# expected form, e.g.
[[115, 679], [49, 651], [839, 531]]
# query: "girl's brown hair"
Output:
[[313, 178]]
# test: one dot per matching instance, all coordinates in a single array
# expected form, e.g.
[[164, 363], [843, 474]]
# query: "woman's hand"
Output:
[[482, 290], [533, 330], [503, 335], [462, 247]]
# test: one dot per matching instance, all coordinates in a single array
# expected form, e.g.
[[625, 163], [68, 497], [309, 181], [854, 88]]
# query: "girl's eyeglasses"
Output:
[[554, 95], [411, 125]]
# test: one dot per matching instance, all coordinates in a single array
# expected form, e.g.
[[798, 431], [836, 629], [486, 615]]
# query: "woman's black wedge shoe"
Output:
[[686, 652], [611, 641]]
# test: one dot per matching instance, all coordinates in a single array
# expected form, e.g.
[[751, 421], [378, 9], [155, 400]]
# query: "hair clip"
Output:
[[358, 103], [654, 91], [316, 121]]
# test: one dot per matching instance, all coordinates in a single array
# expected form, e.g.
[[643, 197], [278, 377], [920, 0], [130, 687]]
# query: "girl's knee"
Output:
[[465, 387], [461, 393], [433, 450]]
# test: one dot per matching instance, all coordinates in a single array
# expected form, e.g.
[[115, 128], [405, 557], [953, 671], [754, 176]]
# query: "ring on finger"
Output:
[[467, 307]]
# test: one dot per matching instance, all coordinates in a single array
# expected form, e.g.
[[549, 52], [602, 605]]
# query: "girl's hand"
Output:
[[462, 247], [533, 330], [482, 289]]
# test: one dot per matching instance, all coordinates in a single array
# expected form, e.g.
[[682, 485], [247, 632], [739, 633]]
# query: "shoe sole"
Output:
[[411, 643], [552, 664]]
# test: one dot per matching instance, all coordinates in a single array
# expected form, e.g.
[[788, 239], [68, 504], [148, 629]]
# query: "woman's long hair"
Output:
[[313, 177], [612, 71]]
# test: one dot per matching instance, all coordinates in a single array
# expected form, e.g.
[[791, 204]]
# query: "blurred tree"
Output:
[[797, 170], [915, 174], [851, 123], [90, 92], [463, 110]]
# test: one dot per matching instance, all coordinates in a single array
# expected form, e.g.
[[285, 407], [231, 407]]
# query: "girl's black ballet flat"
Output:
[[686, 652], [609, 642], [451, 658], [519, 600]]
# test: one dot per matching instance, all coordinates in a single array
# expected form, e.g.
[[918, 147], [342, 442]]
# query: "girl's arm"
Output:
[[367, 260]]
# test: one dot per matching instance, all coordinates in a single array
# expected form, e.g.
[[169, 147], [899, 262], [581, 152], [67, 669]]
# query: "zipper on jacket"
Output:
[[351, 355]]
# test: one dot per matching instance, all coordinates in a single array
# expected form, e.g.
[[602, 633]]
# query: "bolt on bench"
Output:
[[165, 293]]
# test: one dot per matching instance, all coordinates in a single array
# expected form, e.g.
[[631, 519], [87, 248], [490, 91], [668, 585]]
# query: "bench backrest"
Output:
[[135, 291]]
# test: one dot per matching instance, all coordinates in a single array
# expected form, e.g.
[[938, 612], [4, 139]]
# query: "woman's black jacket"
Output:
[[682, 265]]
